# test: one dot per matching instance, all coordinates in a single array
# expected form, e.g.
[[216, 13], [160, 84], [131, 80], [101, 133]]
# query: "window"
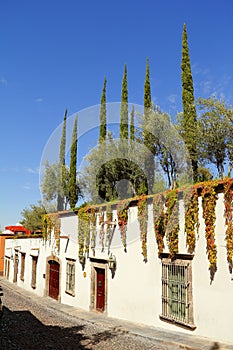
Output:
[[177, 304], [34, 265], [22, 266], [70, 277]]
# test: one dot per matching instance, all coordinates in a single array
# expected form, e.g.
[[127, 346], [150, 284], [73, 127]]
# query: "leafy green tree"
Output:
[[124, 107], [103, 114], [188, 122], [111, 168], [50, 186], [73, 184], [62, 185], [32, 217], [167, 146], [50, 183], [216, 130]]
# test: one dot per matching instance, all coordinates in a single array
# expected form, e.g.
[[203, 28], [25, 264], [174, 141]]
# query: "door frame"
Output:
[[47, 275], [100, 264]]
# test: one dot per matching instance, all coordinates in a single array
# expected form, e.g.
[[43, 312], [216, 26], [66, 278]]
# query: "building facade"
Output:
[[133, 273]]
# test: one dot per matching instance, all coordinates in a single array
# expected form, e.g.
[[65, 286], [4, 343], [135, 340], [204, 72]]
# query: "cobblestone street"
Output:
[[31, 325]]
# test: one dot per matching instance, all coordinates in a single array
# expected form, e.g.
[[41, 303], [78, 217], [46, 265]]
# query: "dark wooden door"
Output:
[[100, 289], [16, 262], [54, 279]]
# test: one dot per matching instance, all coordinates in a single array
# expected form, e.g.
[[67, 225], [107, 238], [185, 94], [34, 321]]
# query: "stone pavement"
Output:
[[170, 340]]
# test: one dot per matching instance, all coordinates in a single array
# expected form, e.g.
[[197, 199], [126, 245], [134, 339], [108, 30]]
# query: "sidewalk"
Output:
[[171, 340]]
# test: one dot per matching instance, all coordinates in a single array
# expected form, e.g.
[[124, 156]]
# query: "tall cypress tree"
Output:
[[73, 188], [62, 168], [148, 138], [132, 127], [189, 118], [147, 89], [103, 114], [124, 107]]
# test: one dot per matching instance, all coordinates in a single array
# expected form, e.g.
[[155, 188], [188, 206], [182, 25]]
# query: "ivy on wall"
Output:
[[191, 226], [108, 223], [165, 220], [93, 232], [143, 218], [84, 233], [159, 220], [122, 214], [172, 221], [47, 226], [209, 198], [51, 222], [228, 201]]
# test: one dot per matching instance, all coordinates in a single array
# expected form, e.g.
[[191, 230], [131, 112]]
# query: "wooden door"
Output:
[[54, 279], [16, 262], [100, 289]]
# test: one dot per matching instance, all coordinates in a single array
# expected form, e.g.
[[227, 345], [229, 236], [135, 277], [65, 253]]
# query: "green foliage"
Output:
[[143, 219], [103, 114], [122, 214], [73, 185], [124, 107], [132, 128], [209, 199], [172, 221], [147, 136], [109, 166], [215, 130], [159, 218], [188, 121], [62, 183], [147, 89], [32, 217], [50, 186]]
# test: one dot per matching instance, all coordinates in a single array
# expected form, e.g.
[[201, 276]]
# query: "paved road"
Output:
[[27, 324]]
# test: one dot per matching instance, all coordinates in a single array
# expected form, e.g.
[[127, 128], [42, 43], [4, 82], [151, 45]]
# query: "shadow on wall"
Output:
[[22, 330]]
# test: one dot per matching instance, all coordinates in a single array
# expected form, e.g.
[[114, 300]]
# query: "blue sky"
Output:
[[55, 54]]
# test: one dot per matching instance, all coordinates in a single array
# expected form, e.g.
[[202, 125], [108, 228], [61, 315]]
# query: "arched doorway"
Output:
[[54, 279]]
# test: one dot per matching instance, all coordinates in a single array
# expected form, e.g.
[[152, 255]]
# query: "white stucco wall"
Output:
[[134, 293]]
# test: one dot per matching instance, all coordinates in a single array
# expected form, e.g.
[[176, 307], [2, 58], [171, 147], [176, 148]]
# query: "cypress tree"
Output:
[[62, 170], [132, 128], [148, 138], [103, 114], [147, 89], [73, 188], [124, 107], [189, 118]]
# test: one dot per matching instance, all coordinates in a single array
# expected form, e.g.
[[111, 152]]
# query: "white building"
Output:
[[176, 293]]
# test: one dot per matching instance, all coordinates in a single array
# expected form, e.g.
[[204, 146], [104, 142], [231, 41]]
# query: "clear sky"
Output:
[[55, 54]]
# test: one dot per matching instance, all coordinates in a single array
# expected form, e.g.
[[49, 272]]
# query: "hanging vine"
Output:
[[92, 216], [101, 223], [172, 221], [159, 220], [83, 234], [122, 214], [47, 226], [143, 218], [51, 222], [209, 198], [109, 219], [56, 223], [228, 201], [191, 225]]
